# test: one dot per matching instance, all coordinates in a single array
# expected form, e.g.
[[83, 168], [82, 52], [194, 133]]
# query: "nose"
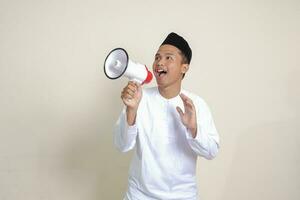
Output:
[[159, 62]]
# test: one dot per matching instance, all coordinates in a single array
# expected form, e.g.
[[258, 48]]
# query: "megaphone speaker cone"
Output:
[[116, 63]]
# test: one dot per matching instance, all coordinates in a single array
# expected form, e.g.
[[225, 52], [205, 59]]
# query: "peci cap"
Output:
[[179, 42]]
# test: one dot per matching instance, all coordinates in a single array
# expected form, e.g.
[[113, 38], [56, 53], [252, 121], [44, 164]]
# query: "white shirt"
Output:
[[164, 161]]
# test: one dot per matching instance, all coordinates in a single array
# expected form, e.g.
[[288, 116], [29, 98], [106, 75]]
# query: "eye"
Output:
[[169, 58]]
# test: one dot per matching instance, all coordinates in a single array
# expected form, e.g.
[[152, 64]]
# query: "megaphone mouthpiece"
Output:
[[149, 76]]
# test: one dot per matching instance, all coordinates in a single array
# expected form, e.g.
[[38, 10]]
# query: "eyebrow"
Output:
[[168, 54]]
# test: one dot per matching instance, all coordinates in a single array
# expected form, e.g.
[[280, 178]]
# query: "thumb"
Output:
[[179, 110]]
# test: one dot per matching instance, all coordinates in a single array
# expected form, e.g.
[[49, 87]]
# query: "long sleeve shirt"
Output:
[[165, 153]]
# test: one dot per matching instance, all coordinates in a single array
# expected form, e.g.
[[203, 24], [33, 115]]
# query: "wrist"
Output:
[[131, 115], [131, 109], [193, 131]]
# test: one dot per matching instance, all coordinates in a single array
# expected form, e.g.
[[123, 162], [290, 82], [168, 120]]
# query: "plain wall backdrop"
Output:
[[57, 108]]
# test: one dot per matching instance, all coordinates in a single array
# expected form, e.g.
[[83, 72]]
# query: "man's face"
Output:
[[167, 66]]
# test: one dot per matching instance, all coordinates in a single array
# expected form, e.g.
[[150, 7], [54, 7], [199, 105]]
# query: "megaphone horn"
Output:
[[117, 64]]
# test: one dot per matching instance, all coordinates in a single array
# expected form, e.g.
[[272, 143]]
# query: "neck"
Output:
[[169, 92]]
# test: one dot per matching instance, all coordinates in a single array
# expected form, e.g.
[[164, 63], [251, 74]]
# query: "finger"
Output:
[[187, 108], [131, 83], [124, 92], [134, 83], [183, 96], [129, 91], [138, 86], [131, 87], [126, 101], [179, 111], [189, 104], [128, 96], [186, 100]]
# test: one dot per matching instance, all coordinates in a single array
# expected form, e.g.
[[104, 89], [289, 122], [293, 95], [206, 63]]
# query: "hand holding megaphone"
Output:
[[131, 95], [117, 64]]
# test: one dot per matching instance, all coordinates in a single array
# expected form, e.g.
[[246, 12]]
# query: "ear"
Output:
[[184, 68]]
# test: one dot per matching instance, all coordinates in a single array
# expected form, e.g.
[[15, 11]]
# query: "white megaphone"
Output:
[[117, 64]]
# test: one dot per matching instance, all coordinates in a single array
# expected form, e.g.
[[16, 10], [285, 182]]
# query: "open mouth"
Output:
[[161, 72]]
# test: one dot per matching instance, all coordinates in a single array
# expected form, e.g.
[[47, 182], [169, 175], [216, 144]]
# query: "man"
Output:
[[168, 126]]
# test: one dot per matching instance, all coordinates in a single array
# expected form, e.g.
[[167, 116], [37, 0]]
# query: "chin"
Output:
[[162, 85], [159, 82]]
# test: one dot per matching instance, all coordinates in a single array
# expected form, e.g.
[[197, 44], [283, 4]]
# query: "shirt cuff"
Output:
[[132, 129], [189, 134]]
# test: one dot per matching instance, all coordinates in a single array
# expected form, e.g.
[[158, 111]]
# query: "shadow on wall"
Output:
[[91, 159]]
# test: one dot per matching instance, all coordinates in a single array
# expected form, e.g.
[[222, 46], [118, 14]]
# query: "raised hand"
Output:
[[188, 117]]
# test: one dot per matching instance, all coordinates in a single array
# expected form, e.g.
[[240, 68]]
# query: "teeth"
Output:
[[160, 70]]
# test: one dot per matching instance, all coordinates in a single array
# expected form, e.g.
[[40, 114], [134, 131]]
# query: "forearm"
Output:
[[124, 134], [204, 140], [131, 115], [203, 144]]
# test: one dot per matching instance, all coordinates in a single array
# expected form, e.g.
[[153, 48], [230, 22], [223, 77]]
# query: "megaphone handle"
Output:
[[136, 80]]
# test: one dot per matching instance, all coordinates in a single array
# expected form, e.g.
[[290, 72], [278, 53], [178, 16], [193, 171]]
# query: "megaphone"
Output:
[[117, 64]]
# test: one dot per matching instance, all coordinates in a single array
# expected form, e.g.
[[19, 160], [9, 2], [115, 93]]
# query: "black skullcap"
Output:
[[179, 42]]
